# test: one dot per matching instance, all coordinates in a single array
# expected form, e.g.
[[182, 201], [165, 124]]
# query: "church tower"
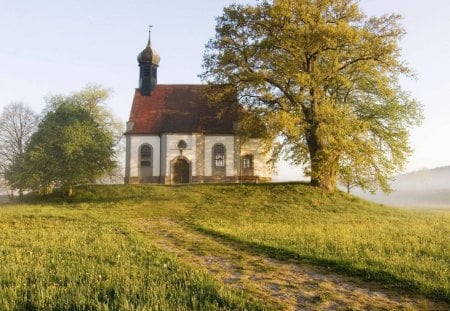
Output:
[[174, 135], [148, 61]]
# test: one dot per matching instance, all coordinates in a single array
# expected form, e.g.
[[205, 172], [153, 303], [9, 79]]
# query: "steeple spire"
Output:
[[150, 35], [149, 54], [148, 61]]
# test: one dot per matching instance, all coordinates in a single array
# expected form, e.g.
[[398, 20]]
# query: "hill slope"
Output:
[[291, 223]]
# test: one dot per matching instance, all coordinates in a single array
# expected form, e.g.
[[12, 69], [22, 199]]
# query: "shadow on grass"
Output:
[[379, 277]]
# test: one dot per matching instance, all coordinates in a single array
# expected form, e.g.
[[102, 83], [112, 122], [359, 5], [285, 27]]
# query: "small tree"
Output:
[[350, 177], [71, 146], [322, 78], [17, 123], [93, 98]]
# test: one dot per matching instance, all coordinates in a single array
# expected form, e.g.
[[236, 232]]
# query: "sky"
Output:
[[57, 47]]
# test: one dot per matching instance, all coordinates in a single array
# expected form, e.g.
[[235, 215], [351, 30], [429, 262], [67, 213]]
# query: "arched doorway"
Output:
[[181, 171]]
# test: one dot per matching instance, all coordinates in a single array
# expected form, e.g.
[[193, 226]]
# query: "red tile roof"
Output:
[[178, 109]]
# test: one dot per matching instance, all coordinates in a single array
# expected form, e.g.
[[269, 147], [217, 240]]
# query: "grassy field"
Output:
[[84, 253], [398, 247], [82, 257]]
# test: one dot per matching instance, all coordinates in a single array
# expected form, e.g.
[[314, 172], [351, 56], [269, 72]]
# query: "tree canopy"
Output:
[[323, 81], [73, 144], [93, 98]]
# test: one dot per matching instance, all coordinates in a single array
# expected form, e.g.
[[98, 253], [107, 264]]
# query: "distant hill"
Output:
[[424, 188]]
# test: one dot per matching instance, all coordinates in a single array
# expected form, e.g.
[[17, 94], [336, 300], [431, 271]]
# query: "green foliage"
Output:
[[93, 99], [83, 257], [73, 144], [322, 77]]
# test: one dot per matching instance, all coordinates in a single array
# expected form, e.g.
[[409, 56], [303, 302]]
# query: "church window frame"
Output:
[[182, 144], [146, 155], [247, 165], [219, 155], [247, 161]]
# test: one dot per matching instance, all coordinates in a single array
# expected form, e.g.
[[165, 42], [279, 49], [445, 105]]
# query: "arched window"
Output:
[[146, 155], [219, 155]]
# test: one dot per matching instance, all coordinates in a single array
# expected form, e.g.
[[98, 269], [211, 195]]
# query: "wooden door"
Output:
[[181, 174]]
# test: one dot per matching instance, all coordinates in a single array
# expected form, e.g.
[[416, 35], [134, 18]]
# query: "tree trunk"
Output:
[[70, 191], [323, 175], [323, 170], [10, 194]]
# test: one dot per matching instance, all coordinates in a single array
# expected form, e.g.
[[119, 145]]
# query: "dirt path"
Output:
[[285, 285]]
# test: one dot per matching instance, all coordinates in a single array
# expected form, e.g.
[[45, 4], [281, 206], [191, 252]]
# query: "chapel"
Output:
[[174, 135]]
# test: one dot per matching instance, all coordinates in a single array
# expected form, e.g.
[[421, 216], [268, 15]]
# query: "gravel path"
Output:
[[285, 285]]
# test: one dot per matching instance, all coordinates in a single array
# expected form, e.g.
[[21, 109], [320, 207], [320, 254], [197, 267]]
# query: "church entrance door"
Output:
[[181, 171]]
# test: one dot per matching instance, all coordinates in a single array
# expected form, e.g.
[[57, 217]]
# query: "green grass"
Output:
[[405, 248], [62, 245], [83, 257]]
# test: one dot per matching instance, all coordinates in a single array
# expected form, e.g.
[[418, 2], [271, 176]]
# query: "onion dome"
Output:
[[149, 55]]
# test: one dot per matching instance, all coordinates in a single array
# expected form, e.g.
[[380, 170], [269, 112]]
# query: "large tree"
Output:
[[17, 124], [323, 81], [73, 144]]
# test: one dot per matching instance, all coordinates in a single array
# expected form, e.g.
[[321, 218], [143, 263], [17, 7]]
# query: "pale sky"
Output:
[[57, 47]]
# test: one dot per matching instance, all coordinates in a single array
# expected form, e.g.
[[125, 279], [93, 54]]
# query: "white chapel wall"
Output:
[[260, 158], [228, 142], [136, 141], [172, 151], [166, 147]]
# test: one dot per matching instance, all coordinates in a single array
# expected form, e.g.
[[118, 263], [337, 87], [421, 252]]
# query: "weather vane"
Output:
[[149, 35]]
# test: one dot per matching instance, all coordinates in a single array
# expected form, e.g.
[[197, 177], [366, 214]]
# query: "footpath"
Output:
[[284, 285]]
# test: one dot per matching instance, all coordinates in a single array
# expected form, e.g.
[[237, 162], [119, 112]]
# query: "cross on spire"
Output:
[[150, 34]]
